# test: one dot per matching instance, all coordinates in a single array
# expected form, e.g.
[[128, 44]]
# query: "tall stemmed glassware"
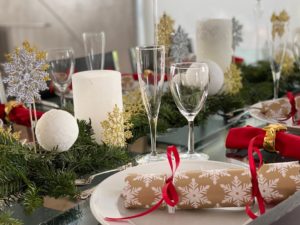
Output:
[[277, 46], [296, 49], [189, 86], [94, 47], [151, 73], [62, 65]]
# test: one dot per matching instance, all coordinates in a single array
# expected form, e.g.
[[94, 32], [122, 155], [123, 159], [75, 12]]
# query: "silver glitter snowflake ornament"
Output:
[[237, 33], [26, 73], [179, 48]]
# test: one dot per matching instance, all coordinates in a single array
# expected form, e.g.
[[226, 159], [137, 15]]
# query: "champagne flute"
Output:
[[189, 86], [61, 68], [277, 47], [94, 47], [151, 73], [296, 48]]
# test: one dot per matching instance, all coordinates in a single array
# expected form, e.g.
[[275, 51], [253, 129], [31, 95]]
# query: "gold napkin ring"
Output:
[[270, 136]]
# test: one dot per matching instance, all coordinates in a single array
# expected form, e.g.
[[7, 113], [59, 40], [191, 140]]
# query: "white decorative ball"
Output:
[[57, 129], [216, 77]]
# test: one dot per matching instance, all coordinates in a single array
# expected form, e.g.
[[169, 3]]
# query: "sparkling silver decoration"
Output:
[[180, 45], [26, 75], [237, 33]]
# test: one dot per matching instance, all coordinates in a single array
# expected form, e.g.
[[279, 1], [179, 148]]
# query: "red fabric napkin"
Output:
[[288, 145], [19, 115]]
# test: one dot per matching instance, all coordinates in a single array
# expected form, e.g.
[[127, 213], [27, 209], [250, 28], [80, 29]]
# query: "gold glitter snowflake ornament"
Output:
[[165, 31], [26, 70], [232, 80], [116, 129], [278, 23]]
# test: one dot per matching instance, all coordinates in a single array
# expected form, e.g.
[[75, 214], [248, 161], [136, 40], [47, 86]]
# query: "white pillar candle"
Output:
[[214, 41], [95, 93]]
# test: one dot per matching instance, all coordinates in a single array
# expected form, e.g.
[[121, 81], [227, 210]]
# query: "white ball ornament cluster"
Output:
[[57, 129]]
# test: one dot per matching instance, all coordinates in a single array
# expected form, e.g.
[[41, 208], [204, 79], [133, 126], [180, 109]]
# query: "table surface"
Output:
[[209, 139]]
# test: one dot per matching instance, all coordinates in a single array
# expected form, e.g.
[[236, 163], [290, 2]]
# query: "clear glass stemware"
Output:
[[296, 48], [189, 86], [151, 73], [62, 65], [277, 48], [94, 47]]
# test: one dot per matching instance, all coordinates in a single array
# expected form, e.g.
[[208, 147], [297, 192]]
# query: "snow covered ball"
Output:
[[216, 77], [57, 129]]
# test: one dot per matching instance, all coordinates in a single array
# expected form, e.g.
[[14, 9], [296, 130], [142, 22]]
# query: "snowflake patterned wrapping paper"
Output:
[[279, 108], [214, 188], [142, 190]]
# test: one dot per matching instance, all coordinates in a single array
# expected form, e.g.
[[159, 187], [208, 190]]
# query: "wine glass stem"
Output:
[[153, 125], [191, 149], [62, 100], [276, 78]]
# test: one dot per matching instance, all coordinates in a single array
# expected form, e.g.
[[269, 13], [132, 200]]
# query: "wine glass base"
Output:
[[150, 158], [194, 156]]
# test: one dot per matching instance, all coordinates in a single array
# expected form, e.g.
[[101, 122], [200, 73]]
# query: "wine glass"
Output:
[[189, 86], [62, 63], [151, 73], [296, 48], [94, 47], [277, 48]]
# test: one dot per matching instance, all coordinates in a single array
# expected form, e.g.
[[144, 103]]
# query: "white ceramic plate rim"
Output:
[[109, 190], [255, 113]]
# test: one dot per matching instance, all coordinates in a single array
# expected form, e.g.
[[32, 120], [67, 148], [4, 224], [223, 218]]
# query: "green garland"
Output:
[[53, 173], [257, 86]]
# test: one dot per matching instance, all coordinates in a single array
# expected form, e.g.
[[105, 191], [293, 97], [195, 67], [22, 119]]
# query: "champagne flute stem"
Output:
[[153, 125], [276, 78], [191, 148]]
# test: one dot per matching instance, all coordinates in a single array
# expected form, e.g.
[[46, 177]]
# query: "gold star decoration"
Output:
[[116, 129], [165, 31], [232, 80], [278, 23]]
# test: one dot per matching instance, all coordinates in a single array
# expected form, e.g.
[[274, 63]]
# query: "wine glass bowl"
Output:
[[189, 87], [151, 73], [62, 63]]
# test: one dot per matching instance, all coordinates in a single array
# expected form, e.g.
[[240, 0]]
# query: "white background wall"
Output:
[[25, 19], [187, 12]]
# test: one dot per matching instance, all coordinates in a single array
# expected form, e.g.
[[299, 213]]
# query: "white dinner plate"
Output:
[[106, 201], [255, 112]]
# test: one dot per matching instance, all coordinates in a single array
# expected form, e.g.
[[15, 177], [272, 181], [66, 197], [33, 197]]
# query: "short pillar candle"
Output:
[[95, 93]]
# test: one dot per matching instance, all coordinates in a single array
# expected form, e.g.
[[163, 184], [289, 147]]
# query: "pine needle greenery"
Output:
[[7, 219]]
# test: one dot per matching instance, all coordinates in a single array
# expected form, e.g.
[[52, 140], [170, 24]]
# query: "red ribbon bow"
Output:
[[253, 139], [169, 193], [293, 111]]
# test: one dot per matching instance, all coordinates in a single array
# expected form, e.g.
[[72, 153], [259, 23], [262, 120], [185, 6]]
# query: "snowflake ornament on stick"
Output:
[[180, 45], [165, 31], [237, 33], [26, 70]]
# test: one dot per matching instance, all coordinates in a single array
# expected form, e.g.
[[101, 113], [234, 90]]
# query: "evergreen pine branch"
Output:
[[7, 219], [32, 200]]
